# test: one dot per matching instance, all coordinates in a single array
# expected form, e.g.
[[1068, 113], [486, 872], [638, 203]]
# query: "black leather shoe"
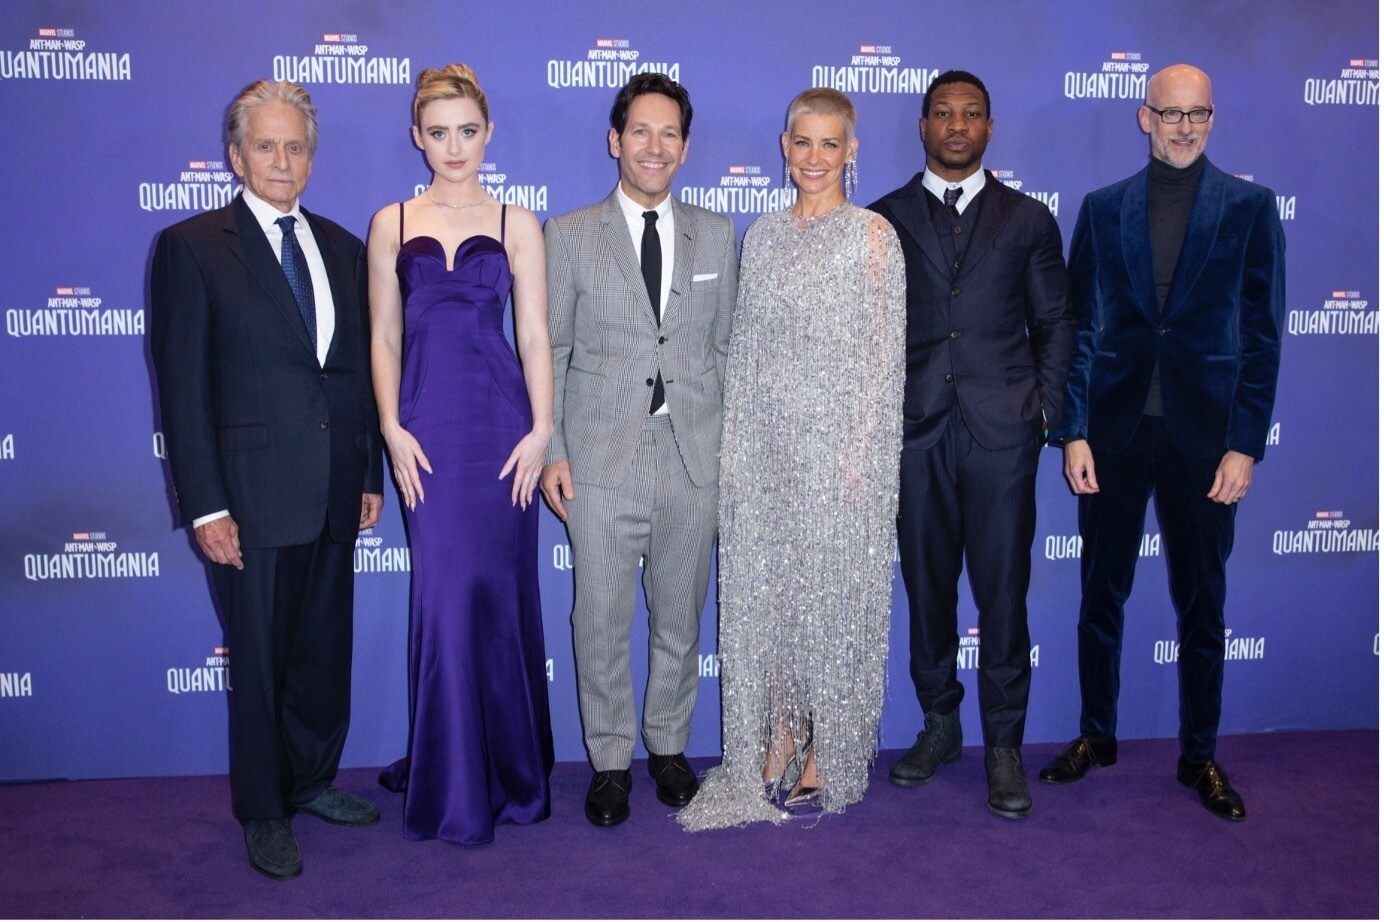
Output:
[[1084, 754], [608, 798], [341, 808], [1009, 796], [1211, 782], [273, 850], [939, 743], [674, 778]]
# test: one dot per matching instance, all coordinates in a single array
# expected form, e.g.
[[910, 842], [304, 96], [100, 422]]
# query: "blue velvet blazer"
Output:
[[1216, 344]]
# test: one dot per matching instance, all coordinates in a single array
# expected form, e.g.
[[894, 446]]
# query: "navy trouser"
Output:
[[1197, 537]]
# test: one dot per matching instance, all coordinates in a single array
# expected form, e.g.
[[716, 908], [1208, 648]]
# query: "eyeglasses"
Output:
[[1175, 116]]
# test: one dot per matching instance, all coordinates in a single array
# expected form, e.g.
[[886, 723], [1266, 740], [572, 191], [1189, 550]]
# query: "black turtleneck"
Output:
[[1172, 192]]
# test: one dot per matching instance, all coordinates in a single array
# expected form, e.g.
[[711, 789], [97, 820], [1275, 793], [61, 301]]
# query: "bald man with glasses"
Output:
[[1177, 283]]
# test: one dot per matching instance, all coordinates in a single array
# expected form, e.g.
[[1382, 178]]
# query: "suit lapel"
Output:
[[618, 242], [1135, 242], [1207, 209], [995, 209], [911, 209], [248, 244], [337, 274], [684, 255]]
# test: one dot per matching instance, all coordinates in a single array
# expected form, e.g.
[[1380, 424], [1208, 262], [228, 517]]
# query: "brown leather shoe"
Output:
[[1211, 782], [1076, 760]]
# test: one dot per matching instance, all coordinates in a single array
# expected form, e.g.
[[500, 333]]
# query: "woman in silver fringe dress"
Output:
[[809, 490]]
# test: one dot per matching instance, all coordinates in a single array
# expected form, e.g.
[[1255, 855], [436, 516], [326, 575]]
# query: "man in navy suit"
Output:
[[259, 341], [1177, 282], [989, 338]]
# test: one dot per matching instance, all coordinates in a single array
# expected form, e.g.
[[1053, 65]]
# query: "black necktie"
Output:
[[651, 264], [951, 197], [299, 278]]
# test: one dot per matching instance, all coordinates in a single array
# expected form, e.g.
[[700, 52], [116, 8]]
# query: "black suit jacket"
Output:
[[998, 339], [252, 422]]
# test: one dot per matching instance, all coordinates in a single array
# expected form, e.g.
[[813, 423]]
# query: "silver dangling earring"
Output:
[[787, 175], [852, 178]]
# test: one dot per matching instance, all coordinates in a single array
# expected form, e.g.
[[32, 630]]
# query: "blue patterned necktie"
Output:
[[299, 278], [950, 197]]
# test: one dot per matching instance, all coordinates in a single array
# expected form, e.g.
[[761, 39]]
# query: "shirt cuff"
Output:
[[204, 519]]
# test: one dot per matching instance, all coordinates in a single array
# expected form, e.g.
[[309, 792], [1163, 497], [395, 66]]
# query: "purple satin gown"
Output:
[[480, 741]]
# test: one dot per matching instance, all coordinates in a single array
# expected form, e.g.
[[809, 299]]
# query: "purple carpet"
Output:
[[1128, 841]]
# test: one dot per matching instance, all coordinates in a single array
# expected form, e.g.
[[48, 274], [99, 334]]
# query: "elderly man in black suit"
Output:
[[259, 341], [990, 334]]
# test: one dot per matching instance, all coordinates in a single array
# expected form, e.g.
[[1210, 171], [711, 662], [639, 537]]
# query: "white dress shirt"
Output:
[[970, 187], [634, 219], [266, 214]]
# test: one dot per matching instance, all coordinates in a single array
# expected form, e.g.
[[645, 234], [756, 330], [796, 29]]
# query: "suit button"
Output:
[[955, 292], [662, 340], [957, 231], [948, 379], [324, 376], [323, 425], [955, 334], [649, 382], [1162, 330]]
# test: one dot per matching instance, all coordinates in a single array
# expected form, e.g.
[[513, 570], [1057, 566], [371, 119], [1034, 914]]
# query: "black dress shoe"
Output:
[[341, 808], [273, 850], [939, 743], [1211, 782], [1084, 754], [674, 779], [1009, 795], [608, 798]]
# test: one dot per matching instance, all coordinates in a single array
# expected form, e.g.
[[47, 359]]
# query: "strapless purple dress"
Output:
[[480, 742]]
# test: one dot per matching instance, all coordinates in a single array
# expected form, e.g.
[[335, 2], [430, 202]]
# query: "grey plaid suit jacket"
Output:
[[607, 345]]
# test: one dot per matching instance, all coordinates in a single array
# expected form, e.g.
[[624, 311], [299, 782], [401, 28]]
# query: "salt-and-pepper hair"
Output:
[[262, 93], [820, 100]]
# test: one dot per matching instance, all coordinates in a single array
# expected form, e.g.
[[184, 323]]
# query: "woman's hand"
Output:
[[526, 461], [406, 457]]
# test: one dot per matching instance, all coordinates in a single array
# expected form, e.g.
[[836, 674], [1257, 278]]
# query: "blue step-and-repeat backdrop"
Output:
[[112, 660]]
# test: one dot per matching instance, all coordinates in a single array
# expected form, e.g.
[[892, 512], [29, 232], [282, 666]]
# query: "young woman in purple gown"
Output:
[[466, 426]]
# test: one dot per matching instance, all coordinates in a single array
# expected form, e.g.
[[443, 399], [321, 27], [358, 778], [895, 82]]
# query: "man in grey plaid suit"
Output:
[[640, 293]]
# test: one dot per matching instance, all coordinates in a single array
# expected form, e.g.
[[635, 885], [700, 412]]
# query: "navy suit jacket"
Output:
[[252, 422], [1216, 344], [998, 339]]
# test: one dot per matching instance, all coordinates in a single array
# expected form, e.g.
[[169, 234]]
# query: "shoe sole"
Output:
[[605, 822], [919, 782], [1011, 814], [1042, 776]]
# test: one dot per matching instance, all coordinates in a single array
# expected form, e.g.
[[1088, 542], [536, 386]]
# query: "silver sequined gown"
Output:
[[809, 492]]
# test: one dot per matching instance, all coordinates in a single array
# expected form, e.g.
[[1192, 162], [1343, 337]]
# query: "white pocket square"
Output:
[[705, 276]]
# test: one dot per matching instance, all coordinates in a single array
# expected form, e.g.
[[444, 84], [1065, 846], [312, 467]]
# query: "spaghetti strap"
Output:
[[401, 224], [502, 223]]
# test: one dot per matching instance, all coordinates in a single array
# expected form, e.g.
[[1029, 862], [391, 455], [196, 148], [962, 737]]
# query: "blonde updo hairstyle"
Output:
[[821, 100], [455, 81]]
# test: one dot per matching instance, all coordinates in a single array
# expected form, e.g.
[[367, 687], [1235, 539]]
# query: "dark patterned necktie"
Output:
[[951, 197], [651, 264], [299, 278]]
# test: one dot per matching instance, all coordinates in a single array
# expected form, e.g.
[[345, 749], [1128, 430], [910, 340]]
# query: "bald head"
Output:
[[1178, 80], [1173, 93]]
